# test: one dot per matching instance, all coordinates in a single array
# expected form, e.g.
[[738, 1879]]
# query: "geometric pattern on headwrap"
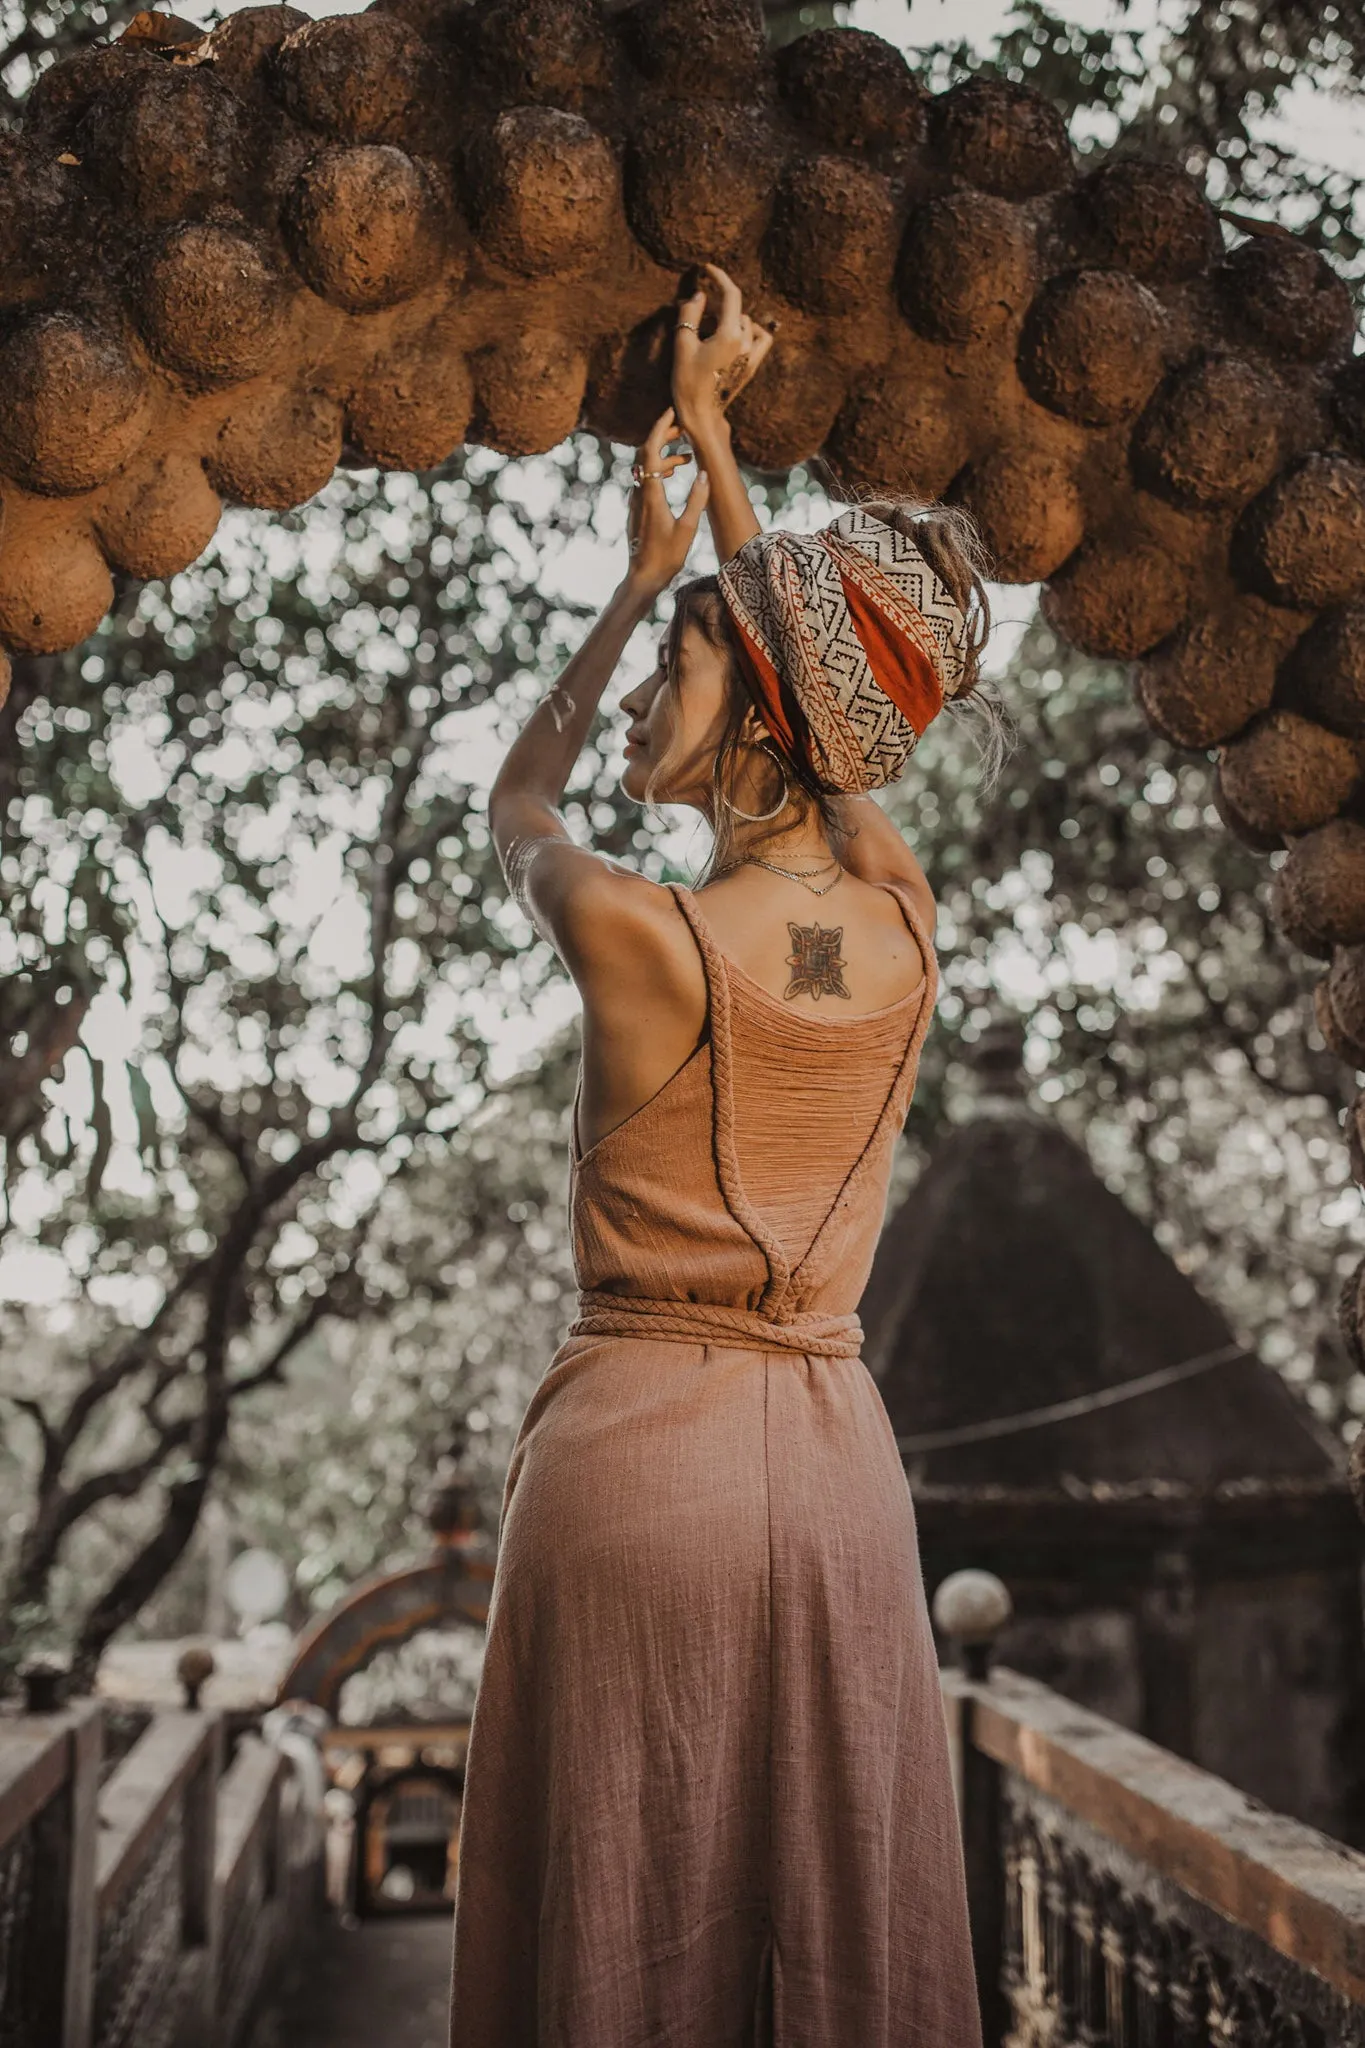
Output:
[[899, 577], [789, 596]]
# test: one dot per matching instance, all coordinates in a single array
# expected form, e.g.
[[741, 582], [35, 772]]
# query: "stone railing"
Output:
[[155, 1909], [1122, 1898]]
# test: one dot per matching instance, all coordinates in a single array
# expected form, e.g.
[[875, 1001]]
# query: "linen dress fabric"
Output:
[[866, 633], [708, 1800]]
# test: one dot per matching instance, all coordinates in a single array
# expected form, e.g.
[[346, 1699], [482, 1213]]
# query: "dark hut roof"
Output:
[[1012, 1279]]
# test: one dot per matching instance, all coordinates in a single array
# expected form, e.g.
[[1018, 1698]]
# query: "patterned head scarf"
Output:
[[867, 637]]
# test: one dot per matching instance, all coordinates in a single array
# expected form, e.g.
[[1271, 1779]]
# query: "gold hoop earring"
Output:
[[764, 817]]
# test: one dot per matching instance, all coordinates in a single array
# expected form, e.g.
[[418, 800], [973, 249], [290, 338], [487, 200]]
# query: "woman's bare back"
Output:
[[834, 957]]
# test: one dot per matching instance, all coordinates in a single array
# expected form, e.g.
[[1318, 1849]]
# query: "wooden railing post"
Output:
[[199, 1895], [82, 1924], [157, 1909], [49, 1782], [982, 1849], [971, 1608]]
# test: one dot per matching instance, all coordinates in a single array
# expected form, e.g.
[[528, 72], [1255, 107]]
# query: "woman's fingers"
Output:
[[687, 326], [665, 428], [731, 302], [757, 338], [689, 519], [659, 543], [653, 464], [691, 309]]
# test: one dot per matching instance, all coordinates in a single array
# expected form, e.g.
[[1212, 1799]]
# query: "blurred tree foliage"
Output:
[[244, 845], [34, 36]]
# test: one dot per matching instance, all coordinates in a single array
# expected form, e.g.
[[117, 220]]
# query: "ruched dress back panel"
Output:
[[708, 1801]]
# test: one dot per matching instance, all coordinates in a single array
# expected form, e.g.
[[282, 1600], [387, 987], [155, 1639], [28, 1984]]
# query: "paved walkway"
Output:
[[384, 1984]]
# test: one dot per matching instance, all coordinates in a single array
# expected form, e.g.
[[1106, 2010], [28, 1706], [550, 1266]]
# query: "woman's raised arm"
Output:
[[544, 868]]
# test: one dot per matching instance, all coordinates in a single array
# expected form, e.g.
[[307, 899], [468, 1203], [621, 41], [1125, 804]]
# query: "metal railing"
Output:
[[1122, 1898], [156, 1910]]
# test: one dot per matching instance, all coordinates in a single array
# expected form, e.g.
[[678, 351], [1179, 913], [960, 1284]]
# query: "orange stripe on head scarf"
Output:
[[900, 664]]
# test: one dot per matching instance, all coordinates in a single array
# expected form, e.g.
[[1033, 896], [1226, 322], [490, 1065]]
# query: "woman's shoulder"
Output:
[[878, 853], [909, 892], [611, 922]]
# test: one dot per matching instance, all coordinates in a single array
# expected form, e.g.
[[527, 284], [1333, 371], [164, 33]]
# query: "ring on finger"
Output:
[[686, 325]]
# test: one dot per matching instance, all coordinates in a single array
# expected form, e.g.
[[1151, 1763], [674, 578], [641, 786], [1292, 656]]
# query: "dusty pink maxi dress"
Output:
[[708, 1801]]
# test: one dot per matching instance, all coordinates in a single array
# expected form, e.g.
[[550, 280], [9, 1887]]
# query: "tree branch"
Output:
[[131, 1358], [271, 1370], [46, 1434], [386, 870]]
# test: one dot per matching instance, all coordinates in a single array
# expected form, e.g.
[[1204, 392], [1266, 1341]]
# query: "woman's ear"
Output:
[[752, 731]]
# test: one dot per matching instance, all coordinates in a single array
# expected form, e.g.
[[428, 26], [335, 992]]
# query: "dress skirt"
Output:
[[709, 1800]]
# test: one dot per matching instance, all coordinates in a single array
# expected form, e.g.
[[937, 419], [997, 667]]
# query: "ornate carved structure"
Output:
[[383, 1614], [228, 265], [452, 1586]]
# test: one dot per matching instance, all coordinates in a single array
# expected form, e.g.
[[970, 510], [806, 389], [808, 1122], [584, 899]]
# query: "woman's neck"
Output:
[[802, 844]]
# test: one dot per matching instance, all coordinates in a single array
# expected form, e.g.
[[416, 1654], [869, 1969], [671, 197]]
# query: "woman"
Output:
[[708, 1801]]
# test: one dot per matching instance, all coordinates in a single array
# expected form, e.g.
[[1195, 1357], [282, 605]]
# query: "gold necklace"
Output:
[[752, 860]]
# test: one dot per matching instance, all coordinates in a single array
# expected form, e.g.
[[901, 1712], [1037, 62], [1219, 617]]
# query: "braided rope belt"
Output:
[[708, 1322]]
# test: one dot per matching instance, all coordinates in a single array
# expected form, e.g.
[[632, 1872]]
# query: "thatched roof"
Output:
[[1012, 1279]]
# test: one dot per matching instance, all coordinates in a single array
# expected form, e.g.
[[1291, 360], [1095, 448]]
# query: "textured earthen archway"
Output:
[[227, 265]]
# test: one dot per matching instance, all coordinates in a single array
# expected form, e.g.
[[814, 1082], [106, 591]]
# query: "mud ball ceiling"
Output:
[[228, 265]]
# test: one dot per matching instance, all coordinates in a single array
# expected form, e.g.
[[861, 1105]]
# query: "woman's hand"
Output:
[[708, 374], [659, 542]]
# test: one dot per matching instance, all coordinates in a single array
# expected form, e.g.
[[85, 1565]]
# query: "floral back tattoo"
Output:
[[815, 961]]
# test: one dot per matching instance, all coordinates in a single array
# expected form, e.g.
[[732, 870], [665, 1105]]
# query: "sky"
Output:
[[1311, 122]]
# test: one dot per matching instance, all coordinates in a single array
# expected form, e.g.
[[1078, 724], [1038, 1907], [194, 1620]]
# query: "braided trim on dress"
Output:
[[723, 1142], [896, 1103]]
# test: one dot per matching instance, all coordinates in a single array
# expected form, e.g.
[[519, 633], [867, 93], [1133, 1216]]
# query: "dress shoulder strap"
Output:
[[914, 917], [713, 960]]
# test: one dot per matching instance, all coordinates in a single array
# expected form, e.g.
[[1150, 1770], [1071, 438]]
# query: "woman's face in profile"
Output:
[[679, 725]]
